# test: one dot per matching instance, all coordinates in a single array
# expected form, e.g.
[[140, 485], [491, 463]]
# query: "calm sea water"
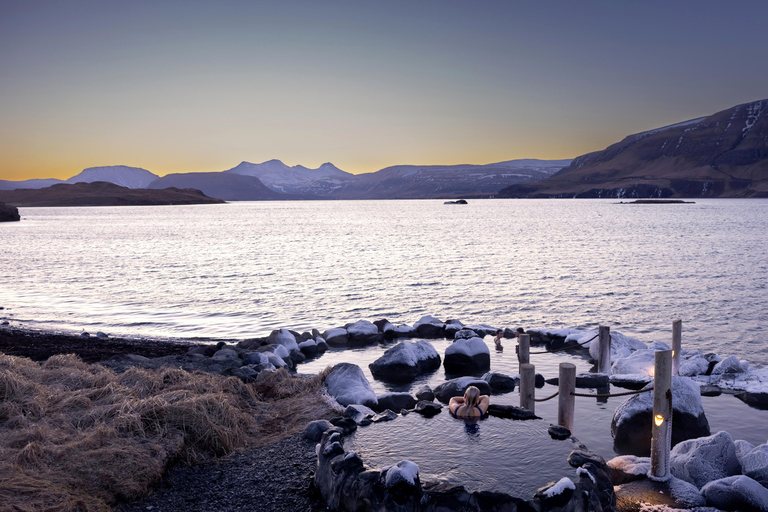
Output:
[[240, 270]]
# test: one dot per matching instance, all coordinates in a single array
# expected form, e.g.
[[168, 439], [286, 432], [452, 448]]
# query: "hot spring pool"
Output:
[[494, 454], [593, 416]]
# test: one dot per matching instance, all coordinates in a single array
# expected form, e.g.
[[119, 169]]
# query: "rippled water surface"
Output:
[[242, 269]]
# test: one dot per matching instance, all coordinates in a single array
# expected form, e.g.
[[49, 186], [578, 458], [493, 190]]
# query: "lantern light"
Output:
[[658, 419]]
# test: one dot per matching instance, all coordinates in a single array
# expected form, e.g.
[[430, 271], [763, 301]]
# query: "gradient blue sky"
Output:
[[181, 86]]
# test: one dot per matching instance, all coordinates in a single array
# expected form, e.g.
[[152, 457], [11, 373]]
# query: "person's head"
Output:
[[499, 332], [471, 397]]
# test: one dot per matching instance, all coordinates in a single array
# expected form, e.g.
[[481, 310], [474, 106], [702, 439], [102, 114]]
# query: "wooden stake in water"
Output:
[[528, 386], [524, 350], [566, 402], [661, 428], [604, 356], [677, 341]]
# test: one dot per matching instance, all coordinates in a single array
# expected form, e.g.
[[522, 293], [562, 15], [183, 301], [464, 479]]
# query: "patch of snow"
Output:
[[583, 471], [404, 470], [752, 381], [618, 342], [560, 487], [631, 465], [429, 320], [730, 364]]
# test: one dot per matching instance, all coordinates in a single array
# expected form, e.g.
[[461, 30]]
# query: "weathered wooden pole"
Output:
[[677, 341], [524, 350], [661, 429], [566, 402], [604, 356], [528, 386]]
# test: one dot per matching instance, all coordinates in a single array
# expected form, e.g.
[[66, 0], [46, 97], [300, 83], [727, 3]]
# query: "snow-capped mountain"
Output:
[[413, 181], [130, 177], [282, 178]]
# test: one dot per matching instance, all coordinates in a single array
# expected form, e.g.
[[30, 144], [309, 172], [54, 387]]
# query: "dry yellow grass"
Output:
[[79, 437]]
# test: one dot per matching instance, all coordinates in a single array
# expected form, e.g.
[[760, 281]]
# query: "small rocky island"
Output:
[[8, 213], [102, 193]]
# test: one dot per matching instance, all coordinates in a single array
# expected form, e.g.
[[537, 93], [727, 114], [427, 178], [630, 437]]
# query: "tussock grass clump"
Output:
[[79, 437]]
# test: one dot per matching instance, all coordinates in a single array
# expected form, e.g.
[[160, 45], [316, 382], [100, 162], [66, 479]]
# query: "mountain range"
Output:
[[273, 180], [721, 155]]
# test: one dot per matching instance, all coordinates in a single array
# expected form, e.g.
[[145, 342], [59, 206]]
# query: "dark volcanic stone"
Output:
[[428, 409], [511, 412], [499, 382], [395, 401], [346, 424], [9, 213], [558, 432]]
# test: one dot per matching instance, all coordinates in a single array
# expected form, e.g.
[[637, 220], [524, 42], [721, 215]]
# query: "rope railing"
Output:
[[545, 399], [565, 347], [609, 395]]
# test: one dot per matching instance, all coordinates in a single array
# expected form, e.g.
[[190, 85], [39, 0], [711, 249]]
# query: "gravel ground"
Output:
[[276, 477]]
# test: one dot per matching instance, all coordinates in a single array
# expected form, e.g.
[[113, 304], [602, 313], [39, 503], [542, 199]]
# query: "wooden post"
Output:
[[604, 356], [566, 402], [527, 386], [661, 428], [677, 341], [524, 351]]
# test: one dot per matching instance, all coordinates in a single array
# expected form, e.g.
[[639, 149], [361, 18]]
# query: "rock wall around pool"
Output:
[[346, 484]]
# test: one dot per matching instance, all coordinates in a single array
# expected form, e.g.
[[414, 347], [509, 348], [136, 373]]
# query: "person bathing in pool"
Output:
[[471, 405]]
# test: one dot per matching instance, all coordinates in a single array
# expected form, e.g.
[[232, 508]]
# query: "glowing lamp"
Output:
[[658, 420], [673, 353]]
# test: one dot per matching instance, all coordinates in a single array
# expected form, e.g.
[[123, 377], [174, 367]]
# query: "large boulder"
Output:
[[452, 327], [429, 327], [309, 348], [730, 364], [640, 362], [9, 213], [362, 332], [386, 328], [283, 337], [467, 356], [739, 493], [702, 460], [465, 334], [405, 361], [631, 425], [457, 387], [347, 384]]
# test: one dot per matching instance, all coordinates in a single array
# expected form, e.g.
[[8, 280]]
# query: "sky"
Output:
[[190, 86]]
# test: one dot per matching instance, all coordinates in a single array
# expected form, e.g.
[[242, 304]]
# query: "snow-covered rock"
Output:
[[336, 337], [755, 464], [738, 493], [694, 366], [404, 331], [618, 342], [309, 348], [405, 361], [283, 337], [754, 382], [705, 459], [362, 332], [730, 364], [404, 472], [452, 327], [465, 334], [429, 327], [467, 356], [348, 385], [627, 468], [631, 424], [640, 362], [275, 360], [456, 387], [742, 448]]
